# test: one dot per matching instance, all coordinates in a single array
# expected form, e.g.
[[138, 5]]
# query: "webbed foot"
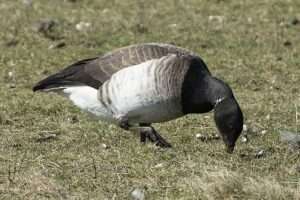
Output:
[[150, 133]]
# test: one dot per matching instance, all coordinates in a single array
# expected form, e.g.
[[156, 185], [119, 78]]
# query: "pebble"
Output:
[[104, 146], [263, 132], [207, 137], [137, 194], [216, 137], [245, 128], [46, 136], [219, 19], [260, 153], [173, 25], [282, 24], [10, 74], [74, 119], [82, 26], [244, 139], [201, 137], [57, 45], [159, 165], [105, 10]]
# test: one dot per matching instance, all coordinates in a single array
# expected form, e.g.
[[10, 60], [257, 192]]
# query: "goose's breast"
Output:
[[142, 93]]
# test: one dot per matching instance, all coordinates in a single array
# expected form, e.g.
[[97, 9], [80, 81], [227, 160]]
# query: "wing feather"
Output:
[[95, 71]]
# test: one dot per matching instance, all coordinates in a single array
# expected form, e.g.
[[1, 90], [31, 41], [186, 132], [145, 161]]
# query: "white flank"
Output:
[[135, 95], [85, 98]]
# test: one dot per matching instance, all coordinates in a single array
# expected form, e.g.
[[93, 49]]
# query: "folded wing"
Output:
[[95, 71]]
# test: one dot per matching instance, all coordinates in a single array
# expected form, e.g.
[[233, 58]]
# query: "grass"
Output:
[[50, 150]]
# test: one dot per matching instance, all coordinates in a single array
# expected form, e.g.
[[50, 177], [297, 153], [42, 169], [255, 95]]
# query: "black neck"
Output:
[[201, 92]]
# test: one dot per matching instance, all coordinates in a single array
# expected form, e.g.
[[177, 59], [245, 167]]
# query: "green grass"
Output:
[[44, 154]]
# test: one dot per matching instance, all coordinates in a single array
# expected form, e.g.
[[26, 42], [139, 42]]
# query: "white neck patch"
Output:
[[219, 100]]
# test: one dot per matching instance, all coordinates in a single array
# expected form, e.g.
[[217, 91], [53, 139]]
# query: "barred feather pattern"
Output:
[[108, 64], [146, 93]]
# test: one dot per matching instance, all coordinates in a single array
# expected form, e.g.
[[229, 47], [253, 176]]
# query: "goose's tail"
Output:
[[73, 75]]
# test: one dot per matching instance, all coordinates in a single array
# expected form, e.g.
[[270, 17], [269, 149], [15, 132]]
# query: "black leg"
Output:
[[143, 137], [124, 124], [148, 132]]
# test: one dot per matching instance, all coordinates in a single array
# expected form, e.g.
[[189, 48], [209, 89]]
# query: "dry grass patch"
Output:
[[224, 184]]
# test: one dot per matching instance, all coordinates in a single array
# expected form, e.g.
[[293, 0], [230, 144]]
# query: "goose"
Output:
[[138, 85]]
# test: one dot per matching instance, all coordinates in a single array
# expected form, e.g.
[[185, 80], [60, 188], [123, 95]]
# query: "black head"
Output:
[[229, 120], [202, 92]]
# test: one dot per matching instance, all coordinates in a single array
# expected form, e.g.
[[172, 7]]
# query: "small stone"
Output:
[[104, 146], [137, 194], [254, 130], [46, 136], [273, 81], [219, 19], [263, 132], [74, 119], [159, 165], [201, 137], [207, 137], [105, 10], [57, 45], [268, 117], [82, 26], [281, 24], [244, 139], [216, 137], [10, 74], [245, 128], [260, 153]]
